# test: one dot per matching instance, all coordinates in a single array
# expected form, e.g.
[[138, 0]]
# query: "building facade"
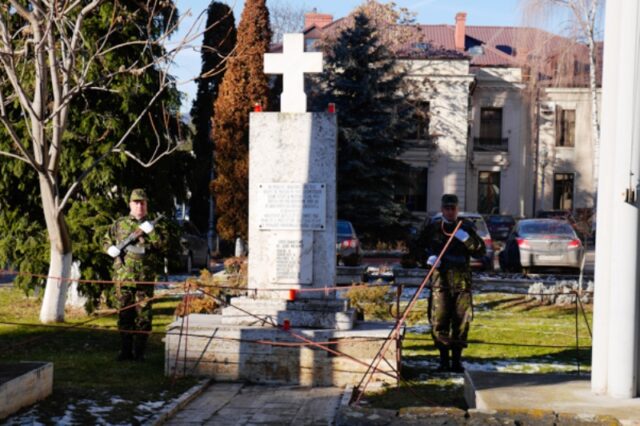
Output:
[[502, 140]]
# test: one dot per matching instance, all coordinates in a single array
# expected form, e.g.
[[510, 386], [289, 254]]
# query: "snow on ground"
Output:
[[100, 412], [502, 366], [27, 418], [419, 329]]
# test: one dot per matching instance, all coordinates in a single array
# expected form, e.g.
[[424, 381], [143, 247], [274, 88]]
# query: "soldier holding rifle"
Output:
[[134, 243], [450, 305]]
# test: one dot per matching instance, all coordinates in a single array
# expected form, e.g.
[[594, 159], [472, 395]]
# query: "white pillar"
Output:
[[600, 348], [623, 304]]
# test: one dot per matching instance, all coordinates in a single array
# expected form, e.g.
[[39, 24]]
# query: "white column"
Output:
[[600, 349], [623, 303]]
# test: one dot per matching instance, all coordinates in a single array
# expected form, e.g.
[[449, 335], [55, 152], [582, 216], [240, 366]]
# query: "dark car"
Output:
[[500, 225], [195, 249], [484, 263], [347, 244], [541, 243]]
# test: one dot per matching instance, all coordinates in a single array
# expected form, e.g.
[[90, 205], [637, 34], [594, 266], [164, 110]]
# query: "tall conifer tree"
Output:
[[244, 85], [370, 91], [219, 40]]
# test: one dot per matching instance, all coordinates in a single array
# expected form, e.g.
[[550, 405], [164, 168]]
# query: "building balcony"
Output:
[[491, 144]]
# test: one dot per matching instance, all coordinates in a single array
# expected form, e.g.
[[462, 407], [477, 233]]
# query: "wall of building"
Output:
[[501, 88], [556, 159], [453, 165], [446, 85]]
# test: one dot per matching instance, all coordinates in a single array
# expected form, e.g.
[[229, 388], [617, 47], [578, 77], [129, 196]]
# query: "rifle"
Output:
[[118, 250]]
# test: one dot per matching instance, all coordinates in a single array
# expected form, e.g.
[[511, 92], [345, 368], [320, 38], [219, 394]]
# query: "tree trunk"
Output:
[[60, 257], [56, 290]]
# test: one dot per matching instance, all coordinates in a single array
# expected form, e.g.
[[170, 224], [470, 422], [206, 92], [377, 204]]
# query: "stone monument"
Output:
[[292, 258]]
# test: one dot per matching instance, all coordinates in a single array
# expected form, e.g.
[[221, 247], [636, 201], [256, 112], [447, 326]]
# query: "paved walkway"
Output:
[[224, 404]]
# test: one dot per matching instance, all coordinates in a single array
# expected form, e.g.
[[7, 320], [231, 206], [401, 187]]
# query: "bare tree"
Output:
[[395, 27], [583, 26], [285, 18], [48, 59]]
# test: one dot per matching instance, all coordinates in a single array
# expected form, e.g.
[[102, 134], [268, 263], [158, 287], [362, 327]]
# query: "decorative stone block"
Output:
[[24, 384]]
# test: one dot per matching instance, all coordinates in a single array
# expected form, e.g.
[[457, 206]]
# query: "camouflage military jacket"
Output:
[[435, 235], [142, 259]]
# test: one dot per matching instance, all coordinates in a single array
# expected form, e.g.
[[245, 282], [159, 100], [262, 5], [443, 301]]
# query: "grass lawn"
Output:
[[90, 387], [508, 333]]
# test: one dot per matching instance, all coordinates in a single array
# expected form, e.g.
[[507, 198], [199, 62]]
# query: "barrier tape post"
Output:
[[577, 334]]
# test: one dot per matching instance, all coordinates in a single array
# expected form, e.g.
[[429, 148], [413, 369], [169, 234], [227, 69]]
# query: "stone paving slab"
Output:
[[562, 393], [225, 404]]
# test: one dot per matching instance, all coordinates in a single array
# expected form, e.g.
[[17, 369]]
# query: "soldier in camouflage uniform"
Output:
[[450, 304], [139, 261]]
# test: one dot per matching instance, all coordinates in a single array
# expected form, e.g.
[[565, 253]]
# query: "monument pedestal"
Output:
[[215, 348], [305, 313], [292, 246]]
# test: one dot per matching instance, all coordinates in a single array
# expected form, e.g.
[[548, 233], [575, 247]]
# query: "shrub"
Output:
[[372, 302]]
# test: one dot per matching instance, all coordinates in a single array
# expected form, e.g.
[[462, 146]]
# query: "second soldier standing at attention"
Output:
[[450, 307], [139, 261]]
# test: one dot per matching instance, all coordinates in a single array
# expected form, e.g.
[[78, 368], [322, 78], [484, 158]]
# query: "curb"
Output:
[[347, 394], [184, 399]]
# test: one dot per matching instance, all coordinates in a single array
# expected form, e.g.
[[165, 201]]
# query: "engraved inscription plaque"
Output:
[[292, 261], [292, 206]]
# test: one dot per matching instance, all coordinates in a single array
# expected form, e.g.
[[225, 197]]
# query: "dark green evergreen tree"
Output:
[[97, 118], [369, 89], [218, 43]]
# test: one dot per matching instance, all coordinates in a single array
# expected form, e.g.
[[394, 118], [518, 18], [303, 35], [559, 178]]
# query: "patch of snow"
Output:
[[28, 418], [117, 400], [150, 405], [97, 410], [67, 419], [499, 366], [420, 329]]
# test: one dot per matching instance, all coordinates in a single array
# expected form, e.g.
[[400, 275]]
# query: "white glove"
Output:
[[113, 251], [431, 261], [147, 227], [462, 235]]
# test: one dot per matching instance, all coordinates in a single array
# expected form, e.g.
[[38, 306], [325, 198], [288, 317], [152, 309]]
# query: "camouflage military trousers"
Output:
[[136, 317], [451, 309]]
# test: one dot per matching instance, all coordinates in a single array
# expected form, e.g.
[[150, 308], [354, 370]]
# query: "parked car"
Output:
[[347, 244], [500, 225], [484, 263], [195, 249], [541, 243], [582, 229]]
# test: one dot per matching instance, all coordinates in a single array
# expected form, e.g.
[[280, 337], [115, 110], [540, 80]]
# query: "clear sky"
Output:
[[479, 12]]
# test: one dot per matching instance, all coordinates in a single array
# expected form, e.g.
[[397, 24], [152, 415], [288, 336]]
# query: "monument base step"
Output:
[[270, 355], [305, 313]]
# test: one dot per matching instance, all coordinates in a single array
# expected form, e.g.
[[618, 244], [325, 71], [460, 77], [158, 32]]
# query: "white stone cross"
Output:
[[293, 63]]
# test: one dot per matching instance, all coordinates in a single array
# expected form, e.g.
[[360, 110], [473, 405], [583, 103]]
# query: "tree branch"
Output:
[[76, 185]]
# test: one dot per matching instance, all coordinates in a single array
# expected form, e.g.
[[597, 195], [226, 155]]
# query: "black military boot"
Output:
[[444, 360], [126, 347], [456, 360], [140, 347]]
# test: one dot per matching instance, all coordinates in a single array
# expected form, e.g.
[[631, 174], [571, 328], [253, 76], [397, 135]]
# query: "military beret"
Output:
[[449, 200], [138, 194]]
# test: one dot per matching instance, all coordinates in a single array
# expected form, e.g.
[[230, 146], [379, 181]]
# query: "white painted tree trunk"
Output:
[[56, 290], [75, 299], [60, 256]]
